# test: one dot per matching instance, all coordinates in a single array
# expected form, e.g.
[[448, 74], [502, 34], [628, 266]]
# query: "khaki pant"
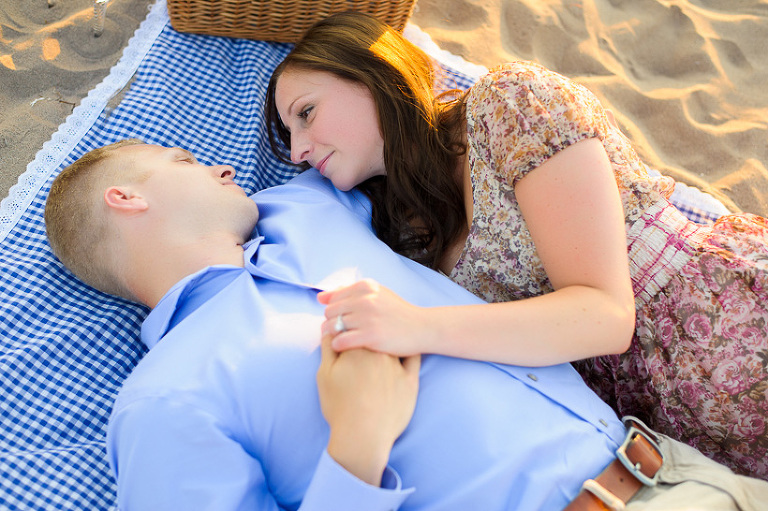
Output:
[[689, 481]]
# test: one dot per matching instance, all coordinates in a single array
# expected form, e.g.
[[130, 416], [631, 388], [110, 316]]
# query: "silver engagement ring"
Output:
[[339, 326]]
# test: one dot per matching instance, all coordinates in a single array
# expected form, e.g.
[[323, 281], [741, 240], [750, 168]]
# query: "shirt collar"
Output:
[[165, 314], [271, 261], [200, 285]]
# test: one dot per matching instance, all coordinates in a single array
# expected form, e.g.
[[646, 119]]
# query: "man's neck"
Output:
[[156, 273]]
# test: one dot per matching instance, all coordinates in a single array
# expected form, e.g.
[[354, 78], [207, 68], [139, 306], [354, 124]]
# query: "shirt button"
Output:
[[603, 422], [533, 377]]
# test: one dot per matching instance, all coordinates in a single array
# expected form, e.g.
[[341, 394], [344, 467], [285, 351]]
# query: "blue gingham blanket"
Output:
[[64, 347]]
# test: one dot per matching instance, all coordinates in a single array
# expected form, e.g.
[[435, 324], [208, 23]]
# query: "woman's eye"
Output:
[[305, 113]]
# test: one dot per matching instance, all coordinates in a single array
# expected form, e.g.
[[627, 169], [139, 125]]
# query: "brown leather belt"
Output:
[[637, 463]]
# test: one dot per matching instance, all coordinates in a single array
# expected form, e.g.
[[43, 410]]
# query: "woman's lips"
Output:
[[321, 164]]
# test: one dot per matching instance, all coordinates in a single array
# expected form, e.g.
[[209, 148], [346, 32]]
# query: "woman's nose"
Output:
[[300, 148]]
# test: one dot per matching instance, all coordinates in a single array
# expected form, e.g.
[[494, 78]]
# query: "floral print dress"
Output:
[[696, 368]]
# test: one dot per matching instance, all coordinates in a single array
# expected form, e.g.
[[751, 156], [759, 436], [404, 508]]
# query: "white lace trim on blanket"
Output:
[[82, 118]]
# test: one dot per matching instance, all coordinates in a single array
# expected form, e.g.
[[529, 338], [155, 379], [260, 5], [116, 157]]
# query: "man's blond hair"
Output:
[[76, 219]]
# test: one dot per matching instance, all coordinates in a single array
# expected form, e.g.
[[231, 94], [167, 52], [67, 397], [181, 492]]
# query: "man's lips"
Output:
[[232, 183]]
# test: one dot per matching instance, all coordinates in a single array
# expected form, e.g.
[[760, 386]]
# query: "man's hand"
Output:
[[368, 399]]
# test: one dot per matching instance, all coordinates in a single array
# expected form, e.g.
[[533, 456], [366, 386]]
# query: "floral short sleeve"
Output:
[[518, 116], [524, 116]]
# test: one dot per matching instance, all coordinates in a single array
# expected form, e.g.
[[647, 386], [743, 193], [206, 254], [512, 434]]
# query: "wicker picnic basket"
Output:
[[275, 20]]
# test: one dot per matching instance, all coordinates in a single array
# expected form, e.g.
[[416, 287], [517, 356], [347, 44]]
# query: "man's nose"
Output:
[[225, 171]]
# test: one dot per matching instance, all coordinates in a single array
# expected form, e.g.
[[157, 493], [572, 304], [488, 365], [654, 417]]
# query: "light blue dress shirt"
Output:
[[223, 412]]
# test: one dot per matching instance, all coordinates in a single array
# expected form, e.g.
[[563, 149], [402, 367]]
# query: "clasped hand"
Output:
[[368, 399], [376, 318]]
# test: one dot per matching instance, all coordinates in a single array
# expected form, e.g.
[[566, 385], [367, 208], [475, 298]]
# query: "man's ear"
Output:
[[123, 198]]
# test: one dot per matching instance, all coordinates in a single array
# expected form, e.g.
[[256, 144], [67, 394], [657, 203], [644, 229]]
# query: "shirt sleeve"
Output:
[[521, 114], [334, 488], [169, 456]]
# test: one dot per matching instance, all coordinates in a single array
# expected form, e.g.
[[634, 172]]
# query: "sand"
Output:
[[49, 61], [687, 79]]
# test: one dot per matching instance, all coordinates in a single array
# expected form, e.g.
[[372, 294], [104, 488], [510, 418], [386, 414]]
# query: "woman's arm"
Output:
[[572, 207]]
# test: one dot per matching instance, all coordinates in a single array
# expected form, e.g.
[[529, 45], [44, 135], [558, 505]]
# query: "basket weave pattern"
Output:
[[275, 20]]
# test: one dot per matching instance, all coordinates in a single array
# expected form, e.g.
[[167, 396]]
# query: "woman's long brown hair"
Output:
[[418, 207]]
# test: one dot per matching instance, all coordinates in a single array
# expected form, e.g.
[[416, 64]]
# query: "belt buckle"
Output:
[[621, 453]]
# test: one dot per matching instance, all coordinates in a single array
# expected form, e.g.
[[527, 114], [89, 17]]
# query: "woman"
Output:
[[523, 191]]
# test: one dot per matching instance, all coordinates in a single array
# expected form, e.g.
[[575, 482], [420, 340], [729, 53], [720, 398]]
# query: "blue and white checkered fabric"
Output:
[[65, 348]]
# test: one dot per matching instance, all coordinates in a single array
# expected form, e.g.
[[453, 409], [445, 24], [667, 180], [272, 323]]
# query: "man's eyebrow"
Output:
[[186, 153]]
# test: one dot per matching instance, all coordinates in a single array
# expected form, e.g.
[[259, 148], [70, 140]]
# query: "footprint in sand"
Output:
[[536, 31], [650, 40], [459, 14], [62, 35]]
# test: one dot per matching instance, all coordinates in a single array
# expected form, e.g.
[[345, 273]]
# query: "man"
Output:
[[226, 410]]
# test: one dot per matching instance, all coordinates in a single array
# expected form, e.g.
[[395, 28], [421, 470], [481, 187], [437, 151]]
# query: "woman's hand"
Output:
[[376, 318], [368, 399]]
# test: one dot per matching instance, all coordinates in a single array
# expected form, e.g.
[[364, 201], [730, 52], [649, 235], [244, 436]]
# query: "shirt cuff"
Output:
[[332, 487]]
